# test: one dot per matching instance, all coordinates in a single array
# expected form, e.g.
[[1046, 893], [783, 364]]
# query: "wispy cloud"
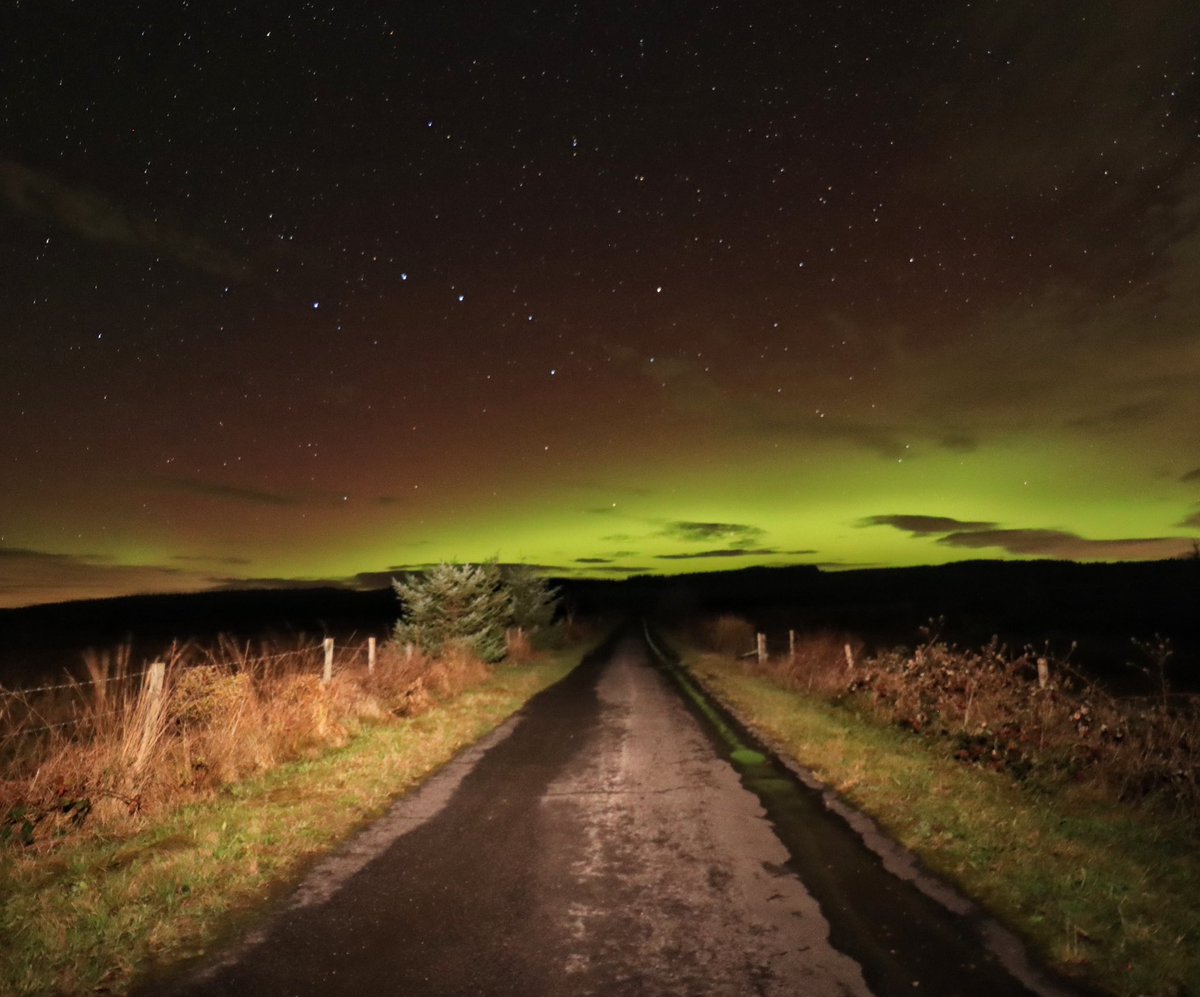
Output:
[[228, 493], [34, 576], [96, 218], [48, 557], [700, 532], [924, 525], [724, 552], [1033, 542], [20, 553], [1069, 546], [275, 582], [1119, 416], [204, 559]]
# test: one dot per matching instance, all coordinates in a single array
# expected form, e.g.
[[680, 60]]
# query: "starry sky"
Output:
[[296, 292]]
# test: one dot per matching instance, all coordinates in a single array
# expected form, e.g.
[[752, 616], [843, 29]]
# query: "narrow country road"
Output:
[[599, 843]]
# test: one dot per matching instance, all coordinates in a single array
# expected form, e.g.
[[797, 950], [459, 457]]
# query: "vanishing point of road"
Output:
[[602, 842]]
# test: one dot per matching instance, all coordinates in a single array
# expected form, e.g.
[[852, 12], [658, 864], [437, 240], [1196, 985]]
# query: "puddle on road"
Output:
[[905, 942]]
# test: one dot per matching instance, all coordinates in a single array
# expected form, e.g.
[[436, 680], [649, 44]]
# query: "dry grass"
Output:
[[107, 751], [819, 665], [728, 634]]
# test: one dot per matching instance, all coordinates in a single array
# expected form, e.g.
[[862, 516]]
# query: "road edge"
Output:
[[1004, 943]]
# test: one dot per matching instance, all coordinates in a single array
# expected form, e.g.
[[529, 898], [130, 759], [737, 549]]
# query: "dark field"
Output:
[[1100, 608]]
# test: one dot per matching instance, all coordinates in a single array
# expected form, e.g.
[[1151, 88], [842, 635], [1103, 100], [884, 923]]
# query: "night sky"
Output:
[[315, 291]]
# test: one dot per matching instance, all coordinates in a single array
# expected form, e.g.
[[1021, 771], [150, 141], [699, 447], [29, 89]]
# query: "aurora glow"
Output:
[[320, 296]]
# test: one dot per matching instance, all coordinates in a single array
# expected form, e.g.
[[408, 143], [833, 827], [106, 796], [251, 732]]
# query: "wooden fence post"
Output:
[[328, 676], [849, 657], [762, 649], [154, 682], [792, 644], [370, 655], [1043, 672], [152, 699]]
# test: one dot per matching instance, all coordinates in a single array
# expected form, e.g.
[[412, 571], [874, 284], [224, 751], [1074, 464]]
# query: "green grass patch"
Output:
[[1104, 893], [97, 910]]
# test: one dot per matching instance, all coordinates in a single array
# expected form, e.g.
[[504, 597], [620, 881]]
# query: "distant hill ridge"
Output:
[[1020, 600]]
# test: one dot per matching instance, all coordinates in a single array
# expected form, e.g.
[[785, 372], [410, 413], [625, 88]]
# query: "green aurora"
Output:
[[922, 287]]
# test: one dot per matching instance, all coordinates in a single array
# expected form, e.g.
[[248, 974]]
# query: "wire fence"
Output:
[[73, 684], [22, 700]]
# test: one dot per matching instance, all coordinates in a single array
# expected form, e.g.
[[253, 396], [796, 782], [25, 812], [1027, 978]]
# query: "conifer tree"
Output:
[[455, 603], [534, 600]]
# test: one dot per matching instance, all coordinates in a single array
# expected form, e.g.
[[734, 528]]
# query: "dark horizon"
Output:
[[1099, 606]]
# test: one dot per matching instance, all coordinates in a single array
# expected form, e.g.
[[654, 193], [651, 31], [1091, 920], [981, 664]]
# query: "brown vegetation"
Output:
[[728, 634], [108, 750], [1030, 714]]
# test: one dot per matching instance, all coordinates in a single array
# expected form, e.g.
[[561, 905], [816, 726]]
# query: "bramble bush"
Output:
[[988, 708], [993, 711]]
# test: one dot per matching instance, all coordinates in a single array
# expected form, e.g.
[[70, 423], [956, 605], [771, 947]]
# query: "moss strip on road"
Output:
[[95, 913], [1106, 895]]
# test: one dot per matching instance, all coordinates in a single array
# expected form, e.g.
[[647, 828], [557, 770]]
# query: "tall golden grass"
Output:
[[104, 751]]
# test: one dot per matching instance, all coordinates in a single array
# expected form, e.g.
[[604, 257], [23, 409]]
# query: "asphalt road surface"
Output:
[[601, 843]]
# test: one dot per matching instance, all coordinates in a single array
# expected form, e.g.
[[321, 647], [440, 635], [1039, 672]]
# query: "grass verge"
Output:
[[101, 909], [1104, 894]]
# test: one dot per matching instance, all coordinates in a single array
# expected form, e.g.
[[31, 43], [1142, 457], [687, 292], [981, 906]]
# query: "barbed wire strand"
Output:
[[79, 683], [357, 650], [66, 723]]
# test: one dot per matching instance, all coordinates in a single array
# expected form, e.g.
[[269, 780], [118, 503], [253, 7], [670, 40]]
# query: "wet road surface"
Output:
[[600, 843]]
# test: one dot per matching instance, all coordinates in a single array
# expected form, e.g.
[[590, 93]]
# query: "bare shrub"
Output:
[[993, 710], [728, 634]]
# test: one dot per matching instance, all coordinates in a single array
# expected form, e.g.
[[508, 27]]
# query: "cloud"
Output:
[[1069, 546], [697, 532], [203, 559], [229, 493], [97, 219], [1035, 542], [959, 443], [593, 560], [1191, 476], [35, 576], [1119, 416], [1191, 522], [25, 552], [726, 552], [924, 525], [604, 488]]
